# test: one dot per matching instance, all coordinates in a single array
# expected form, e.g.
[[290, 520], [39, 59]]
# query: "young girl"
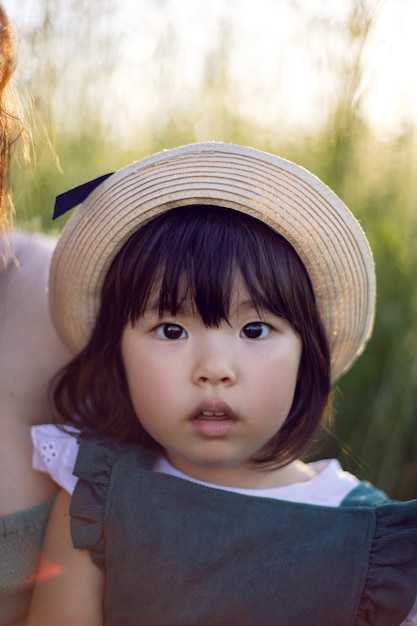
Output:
[[213, 293]]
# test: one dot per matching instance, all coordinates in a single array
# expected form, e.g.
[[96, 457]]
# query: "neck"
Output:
[[250, 477]]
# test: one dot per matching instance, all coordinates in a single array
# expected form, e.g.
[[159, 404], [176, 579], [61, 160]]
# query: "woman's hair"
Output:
[[196, 253], [7, 119]]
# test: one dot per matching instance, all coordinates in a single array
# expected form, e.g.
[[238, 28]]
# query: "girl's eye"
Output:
[[255, 330], [170, 331]]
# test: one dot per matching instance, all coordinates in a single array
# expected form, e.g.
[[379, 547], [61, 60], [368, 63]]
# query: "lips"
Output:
[[214, 418]]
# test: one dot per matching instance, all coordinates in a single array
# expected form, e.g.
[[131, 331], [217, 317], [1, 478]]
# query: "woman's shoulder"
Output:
[[18, 247], [24, 270]]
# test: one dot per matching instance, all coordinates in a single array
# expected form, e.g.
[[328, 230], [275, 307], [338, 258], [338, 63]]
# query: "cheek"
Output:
[[276, 394], [277, 379], [283, 361], [141, 377], [151, 381]]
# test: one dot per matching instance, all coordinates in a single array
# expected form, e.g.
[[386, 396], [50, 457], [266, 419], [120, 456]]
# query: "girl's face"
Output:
[[212, 396]]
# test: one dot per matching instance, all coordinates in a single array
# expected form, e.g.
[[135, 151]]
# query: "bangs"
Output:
[[191, 256]]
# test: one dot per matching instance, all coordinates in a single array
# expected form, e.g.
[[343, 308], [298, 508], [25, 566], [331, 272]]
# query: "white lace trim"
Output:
[[55, 452]]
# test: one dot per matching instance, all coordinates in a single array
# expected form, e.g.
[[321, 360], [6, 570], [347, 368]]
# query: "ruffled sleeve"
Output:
[[93, 468], [391, 586]]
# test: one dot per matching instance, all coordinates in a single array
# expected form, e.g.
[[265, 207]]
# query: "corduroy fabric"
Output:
[[288, 198], [175, 552]]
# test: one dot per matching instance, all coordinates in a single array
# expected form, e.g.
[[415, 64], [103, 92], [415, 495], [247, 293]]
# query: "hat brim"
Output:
[[285, 196]]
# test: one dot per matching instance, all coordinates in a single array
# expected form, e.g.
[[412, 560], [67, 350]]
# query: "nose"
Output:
[[214, 364]]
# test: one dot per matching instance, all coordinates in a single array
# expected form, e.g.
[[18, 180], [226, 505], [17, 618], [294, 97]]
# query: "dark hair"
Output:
[[194, 253]]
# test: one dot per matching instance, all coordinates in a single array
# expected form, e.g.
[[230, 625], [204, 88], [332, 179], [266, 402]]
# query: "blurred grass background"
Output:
[[82, 125]]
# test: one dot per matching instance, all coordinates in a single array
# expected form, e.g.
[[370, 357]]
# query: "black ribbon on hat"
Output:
[[69, 199]]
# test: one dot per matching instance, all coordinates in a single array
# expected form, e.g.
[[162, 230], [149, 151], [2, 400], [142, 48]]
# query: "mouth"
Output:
[[214, 415], [217, 420]]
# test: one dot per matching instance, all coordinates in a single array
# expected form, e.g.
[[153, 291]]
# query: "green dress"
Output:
[[178, 553]]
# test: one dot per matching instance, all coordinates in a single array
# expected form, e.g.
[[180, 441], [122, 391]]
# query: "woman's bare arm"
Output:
[[31, 352], [69, 587]]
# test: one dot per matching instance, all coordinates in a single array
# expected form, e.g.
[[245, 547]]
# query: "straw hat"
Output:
[[289, 199]]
